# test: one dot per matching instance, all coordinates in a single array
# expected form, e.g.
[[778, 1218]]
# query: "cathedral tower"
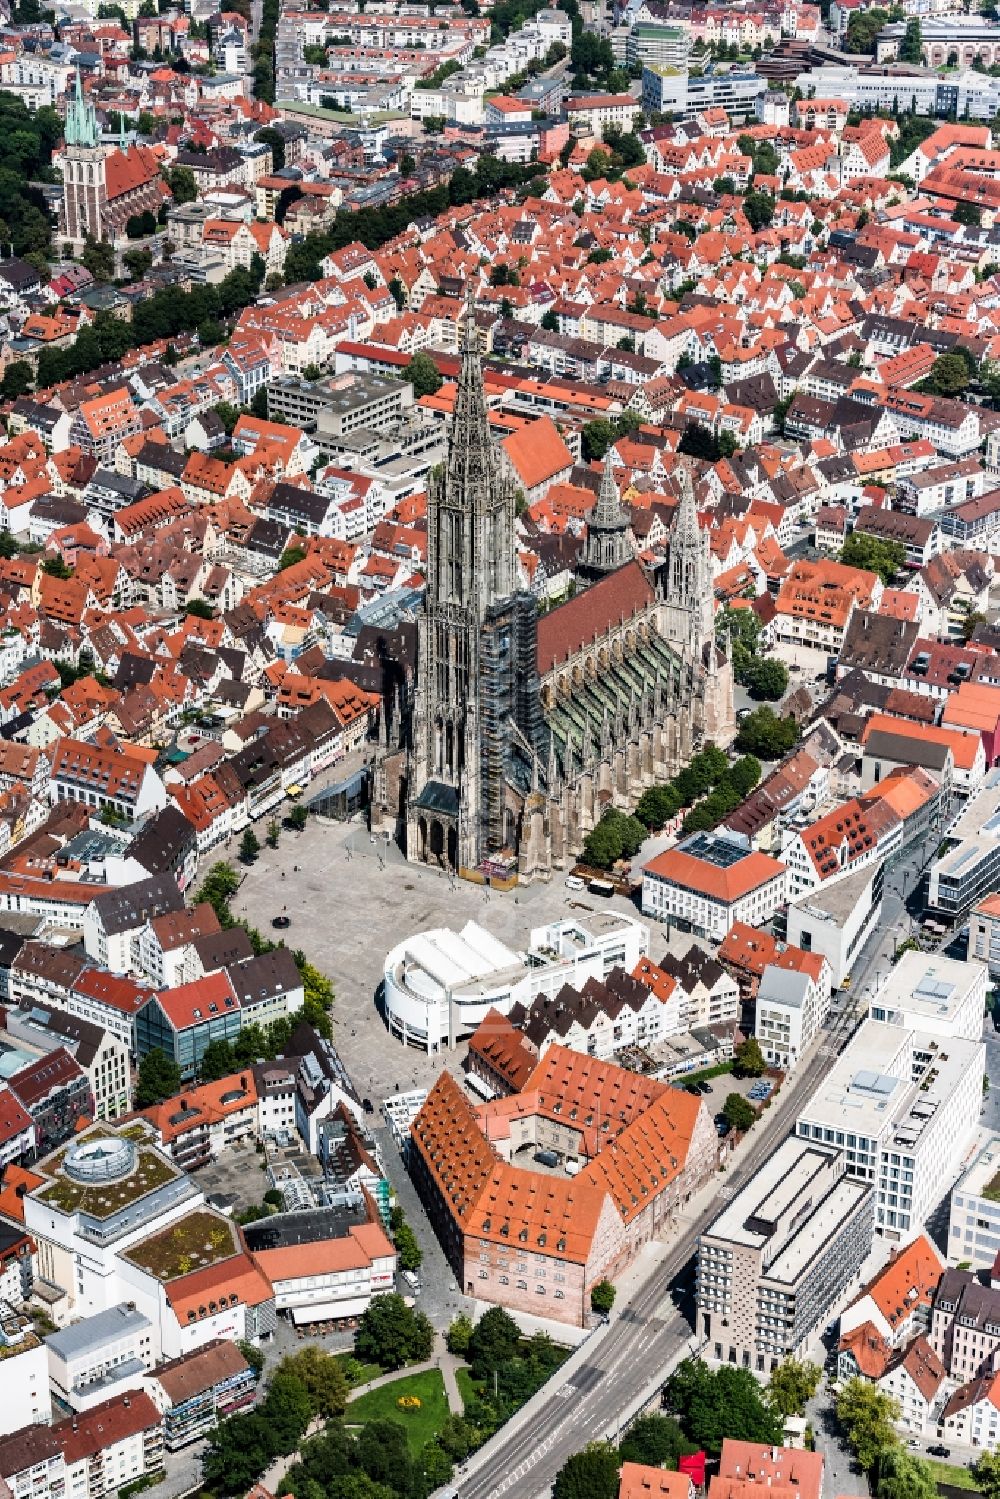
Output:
[[85, 189], [689, 598], [463, 643], [607, 546]]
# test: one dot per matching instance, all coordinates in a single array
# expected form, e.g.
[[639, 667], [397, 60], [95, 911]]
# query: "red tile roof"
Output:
[[586, 618]]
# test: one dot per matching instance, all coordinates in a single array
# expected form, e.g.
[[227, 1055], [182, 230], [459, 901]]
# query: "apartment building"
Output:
[[965, 1325], [115, 1444], [103, 1056], [105, 779], [197, 1390], [24, 1375], [933, 994], [791, 1008], [709, 881], [902, 1122], [780, 1255], [199, 1124], [974, 1228], [892, 1309], [984, 933]]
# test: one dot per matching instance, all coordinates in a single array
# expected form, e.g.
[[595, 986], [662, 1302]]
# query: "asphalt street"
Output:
[[644, 1340]]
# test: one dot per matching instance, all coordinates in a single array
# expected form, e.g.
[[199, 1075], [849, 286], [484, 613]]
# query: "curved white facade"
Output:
[[438, 985]]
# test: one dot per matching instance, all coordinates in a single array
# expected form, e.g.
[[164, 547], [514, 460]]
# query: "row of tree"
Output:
[[764, 677]]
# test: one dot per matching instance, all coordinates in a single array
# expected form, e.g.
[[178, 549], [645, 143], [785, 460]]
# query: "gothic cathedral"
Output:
[[522, 729]]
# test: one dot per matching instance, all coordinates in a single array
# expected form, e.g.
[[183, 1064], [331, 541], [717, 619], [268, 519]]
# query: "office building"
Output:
[[969, 869], [710, 880], [838, 918], [902, 1107], [935, 995], [780, 1255], [100, 1356], [791, 1008], [974, 1230]]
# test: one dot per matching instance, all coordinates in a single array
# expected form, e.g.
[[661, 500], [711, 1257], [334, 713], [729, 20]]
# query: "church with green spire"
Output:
[[103, 187]]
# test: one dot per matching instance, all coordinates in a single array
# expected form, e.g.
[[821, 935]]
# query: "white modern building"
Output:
[[984, 933], [791, 1007], [24, 1373], [101, 1356], [838, 918], [935, 995], [974, 1231], [439, 984], [903, 1106]]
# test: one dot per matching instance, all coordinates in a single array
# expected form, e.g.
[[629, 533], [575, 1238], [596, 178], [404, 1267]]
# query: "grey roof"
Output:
[[131, 906], [94, 1332], [838, 898], [783, 986], [906, 749], [262, 978]]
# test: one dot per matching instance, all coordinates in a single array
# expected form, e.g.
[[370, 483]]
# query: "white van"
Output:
[[412, 1279], [574, 882]]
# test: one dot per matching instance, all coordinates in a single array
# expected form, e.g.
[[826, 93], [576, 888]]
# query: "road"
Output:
[[644, 1339]]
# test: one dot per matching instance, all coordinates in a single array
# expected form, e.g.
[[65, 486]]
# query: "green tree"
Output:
[[616, 836], [182, 184], [57, 567], [392, 1334], [318, 996], [744, 775], [99, 259], [655, 1440], [253, 1356], [159, 1078], [199, 609], [766, 679], [495, 1340], [228, 415], [903, 1475], [237, 1453], [272, 138], [792, 1385], [748, 1059], [602, 1297], [590, 1474], [743, 628], [217, 1061], [423, 374], [874, 555], [218, 888], [738, 1112], [911, 47], [764, 734], [298, 817], [273, 833], [759, 210], [459, 1334], [986, 1472], [16, 381], [867, 1415], [287, 1410], [290, 556], [137, 262], [411, 1256], [249, 846], [863, 27], [595, 439], [725, 1402], [949, 375], [550, 320], [322, 1376]]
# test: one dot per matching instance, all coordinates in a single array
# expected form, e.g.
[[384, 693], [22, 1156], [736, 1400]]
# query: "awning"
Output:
[[330, 1311], [478, 1086]]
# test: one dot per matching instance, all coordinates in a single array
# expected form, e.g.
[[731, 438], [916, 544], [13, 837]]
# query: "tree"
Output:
[[57, 567], [159, 1078], [137, 262], [759, 210], [290, 556], [743, 628], [868, 1416], [874, 555], [550, 320], [655, 1440], [766, 679], [423, 374], [590, 1474], [411, 1255], [16, 380], [949, 374], [322, 1376], [273, 833], [763, 733], [287, 1410], [792, 1385], [272, 138], [602, 1297], [970, 623], [986, 1472], [748, 1060], [228, 415], [725, 1402], [217, 1061], [298, 817], [182, 184], [459, 1334], [863, 27], [392, 1334], [903, 1475], [199, 609], [383, 1453], [237, 1453], [738, 1113], [911, 48], [249, 846], [99, 259], [615, 837], [253, 1356], [495, 1340], [595, 439]]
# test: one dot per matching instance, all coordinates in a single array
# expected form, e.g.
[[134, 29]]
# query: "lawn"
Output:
[[468, 1387], [958, 1478], [421, 1425]]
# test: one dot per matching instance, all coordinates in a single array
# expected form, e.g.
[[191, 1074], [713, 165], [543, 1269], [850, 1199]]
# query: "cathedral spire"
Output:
[[607, 546], [470, 439], [81, 118]]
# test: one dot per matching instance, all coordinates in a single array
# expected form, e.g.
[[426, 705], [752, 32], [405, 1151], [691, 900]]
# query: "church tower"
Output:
[[607, 546], [470, 571], [689, 599], [85, 189]]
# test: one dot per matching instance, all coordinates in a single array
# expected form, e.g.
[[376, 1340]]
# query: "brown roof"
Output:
[[183, 1378], [587, 616], [502, 1048], [112, 1421]]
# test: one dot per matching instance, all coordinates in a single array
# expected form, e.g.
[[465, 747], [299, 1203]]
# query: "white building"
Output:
[[24, 1373], [438, 985], [935, 995], [838, 918], [331, 1277], [903, 1106], [709, 881], [974, 1231], [101, 1356], [791, 1008], [984, 933]]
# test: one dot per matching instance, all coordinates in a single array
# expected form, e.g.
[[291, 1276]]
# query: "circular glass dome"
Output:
[[104, 1159]]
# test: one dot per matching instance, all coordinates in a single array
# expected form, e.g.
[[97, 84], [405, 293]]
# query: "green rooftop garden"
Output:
[[991, 1191], [200, 1239], [104, 1199]]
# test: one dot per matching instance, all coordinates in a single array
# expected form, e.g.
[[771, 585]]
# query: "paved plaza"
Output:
[[350, 901]]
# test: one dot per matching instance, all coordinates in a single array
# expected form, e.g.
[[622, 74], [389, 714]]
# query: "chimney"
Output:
[[127, 1402]]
